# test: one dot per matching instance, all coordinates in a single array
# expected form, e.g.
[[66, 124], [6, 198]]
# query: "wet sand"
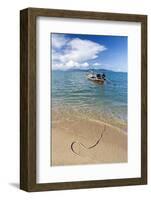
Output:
[[83, 141]]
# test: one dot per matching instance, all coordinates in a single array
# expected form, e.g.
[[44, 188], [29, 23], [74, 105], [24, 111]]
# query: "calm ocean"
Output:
[[75, 96]]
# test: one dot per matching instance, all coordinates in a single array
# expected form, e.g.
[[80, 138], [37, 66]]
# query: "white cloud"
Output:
[[85, 64], [58, 40], [96, 64], [73, 53], [72, 63]]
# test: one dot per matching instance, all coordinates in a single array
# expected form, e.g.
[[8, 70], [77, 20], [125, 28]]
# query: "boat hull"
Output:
[[95, 80]]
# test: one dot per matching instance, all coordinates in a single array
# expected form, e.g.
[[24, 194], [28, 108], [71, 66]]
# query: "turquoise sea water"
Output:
[[75, 96]]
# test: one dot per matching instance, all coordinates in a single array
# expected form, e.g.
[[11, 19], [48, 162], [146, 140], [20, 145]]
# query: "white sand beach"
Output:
[[76, 142]]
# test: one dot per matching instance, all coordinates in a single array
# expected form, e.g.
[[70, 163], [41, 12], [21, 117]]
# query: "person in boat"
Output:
[[98, 76], [103, 76]]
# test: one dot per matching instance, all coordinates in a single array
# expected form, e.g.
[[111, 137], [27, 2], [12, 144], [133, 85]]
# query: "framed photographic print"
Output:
[[83, 93]]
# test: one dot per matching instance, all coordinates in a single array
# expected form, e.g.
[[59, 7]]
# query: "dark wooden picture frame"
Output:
[[28, 99]]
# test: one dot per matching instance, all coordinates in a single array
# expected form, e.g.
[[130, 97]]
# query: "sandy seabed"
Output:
[[84, 141]]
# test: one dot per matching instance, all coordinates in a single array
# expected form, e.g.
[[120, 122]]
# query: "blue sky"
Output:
[[78, 51]]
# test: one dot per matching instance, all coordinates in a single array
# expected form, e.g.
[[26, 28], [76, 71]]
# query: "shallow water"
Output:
[[73, 96]]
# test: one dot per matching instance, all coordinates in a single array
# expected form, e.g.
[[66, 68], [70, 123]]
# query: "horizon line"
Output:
[[73, 69]]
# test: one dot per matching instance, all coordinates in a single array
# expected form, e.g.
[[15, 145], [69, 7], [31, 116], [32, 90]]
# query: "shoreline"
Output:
[[71, 114]]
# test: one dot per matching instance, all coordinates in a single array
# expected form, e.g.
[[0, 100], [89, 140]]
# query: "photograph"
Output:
[[89, 99]]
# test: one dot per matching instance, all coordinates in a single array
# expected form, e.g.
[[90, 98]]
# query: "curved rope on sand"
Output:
[[87, 147]]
